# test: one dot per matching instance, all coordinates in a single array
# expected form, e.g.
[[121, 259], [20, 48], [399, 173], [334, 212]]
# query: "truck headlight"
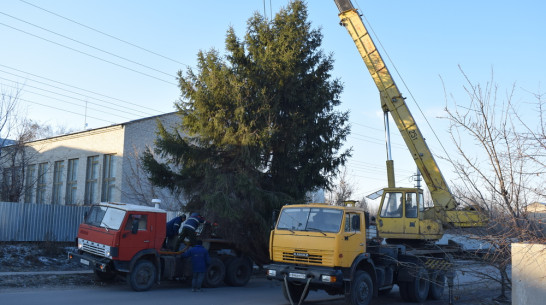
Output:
[[272, 272], [107, 252], [80, 244], [328, 278]]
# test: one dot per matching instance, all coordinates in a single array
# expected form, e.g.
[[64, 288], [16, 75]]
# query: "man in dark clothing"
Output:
[[188, 229], [173, 226], [199, 261]]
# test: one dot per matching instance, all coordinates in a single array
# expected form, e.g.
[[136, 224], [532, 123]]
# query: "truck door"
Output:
[[390, 218], [131, 242], [411, 212], [354, 237]]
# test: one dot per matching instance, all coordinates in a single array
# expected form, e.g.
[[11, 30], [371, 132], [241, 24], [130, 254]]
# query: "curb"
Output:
[[45, 272]]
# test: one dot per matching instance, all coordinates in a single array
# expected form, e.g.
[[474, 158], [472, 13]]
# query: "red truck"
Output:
[[117, 239]]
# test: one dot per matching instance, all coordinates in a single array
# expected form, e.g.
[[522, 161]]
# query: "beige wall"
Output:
[[528, 274], [121, 140], [536, 208], [135, 186], [98, 142]]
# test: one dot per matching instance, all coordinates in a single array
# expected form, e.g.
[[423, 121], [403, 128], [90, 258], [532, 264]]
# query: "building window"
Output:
[[29, 183], [71, 181], [56, 194], [91, 180], [109, 178], [41, 183]]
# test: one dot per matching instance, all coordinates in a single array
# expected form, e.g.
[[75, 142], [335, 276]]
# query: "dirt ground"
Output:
[[40, 257], [470, 288]]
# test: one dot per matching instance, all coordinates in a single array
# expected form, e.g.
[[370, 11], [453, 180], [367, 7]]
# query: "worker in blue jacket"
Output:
[[188, 229], [199, 260], [173, 226]]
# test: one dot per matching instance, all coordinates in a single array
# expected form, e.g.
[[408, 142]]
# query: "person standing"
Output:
[[199, 260], [173, 226]]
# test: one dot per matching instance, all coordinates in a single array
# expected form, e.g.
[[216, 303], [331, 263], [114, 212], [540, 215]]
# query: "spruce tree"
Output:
[[258, 128]]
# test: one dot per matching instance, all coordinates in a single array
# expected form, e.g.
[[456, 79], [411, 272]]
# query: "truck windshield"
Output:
[[310, 219], [106, 217]]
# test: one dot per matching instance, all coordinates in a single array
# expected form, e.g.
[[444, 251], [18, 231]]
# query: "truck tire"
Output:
[[295, 290], [417, 288], [238, 272], [437, 285], [361, 291], [143, 276], [216, 271]]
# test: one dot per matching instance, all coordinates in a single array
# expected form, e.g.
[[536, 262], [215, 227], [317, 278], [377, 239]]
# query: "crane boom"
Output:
[[393, 102]]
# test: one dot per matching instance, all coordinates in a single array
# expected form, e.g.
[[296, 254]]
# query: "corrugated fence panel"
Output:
[[42, 222], [39, 222]]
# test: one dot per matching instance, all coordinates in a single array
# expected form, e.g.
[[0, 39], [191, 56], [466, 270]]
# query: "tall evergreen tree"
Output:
[[258, 127]]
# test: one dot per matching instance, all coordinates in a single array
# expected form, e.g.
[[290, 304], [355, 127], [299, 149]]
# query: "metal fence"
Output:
[[41, 222]]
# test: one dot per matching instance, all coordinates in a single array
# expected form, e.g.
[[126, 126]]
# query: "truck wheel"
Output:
[[437, 285], [361, 291], [216, 271], [238, 272], [143, 275], [295, 290], [417, 289], [106, 276]]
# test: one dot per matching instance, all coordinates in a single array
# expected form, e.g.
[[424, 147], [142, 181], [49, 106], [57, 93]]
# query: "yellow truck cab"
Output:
[[318, 246], [324, 247], [319, 234]]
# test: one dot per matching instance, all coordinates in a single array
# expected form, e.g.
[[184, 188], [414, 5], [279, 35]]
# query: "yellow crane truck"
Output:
[[324, 247]]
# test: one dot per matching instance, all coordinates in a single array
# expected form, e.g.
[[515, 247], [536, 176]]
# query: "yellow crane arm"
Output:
[[393, 102]]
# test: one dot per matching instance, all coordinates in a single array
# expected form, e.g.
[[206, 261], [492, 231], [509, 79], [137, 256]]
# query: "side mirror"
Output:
[[134, 227], [274, 218]]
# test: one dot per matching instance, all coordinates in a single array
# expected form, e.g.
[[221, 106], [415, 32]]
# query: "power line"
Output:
[[103, 33], [78, 88], [64, 110], [72, 103], [124, 110], [90, 55], [367, 126], [87, 45]]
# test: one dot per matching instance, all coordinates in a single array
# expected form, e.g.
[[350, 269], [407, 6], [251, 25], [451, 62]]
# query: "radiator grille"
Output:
[[94, 248], [301, 256]]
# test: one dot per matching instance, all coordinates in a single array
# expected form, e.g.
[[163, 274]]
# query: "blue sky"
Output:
[[426, 40]]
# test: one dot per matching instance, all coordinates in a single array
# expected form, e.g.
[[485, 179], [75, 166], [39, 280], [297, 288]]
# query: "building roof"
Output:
[[6, 142], [100, 128], [132, 207]]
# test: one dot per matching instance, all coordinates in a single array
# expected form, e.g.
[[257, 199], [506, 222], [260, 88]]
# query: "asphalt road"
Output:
[[258, 291], [468, 290]]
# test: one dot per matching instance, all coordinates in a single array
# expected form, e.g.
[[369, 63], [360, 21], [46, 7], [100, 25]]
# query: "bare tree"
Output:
[[16, 130], [141, 190], [500, 164], [342, 191]]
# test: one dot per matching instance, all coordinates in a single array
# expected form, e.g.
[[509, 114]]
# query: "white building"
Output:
[[91, 166]]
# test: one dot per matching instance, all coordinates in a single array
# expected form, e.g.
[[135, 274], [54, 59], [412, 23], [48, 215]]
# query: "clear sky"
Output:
[[120, 58]]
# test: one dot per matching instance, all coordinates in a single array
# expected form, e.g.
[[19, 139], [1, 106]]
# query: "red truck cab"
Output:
[[113, 237]]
